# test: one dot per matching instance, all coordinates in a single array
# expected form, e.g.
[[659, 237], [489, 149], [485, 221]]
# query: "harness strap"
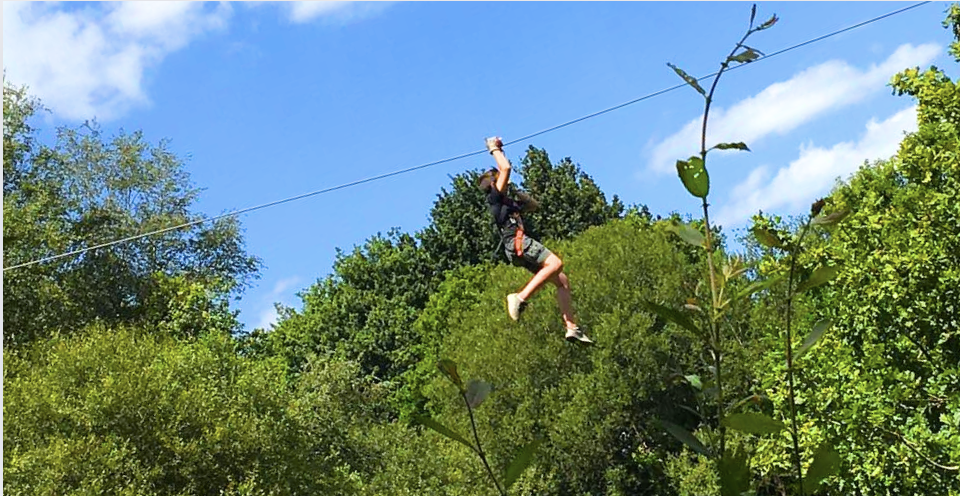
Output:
[[518, 238]]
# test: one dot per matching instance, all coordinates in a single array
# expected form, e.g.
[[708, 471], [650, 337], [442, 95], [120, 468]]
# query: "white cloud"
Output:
[[341, 12], [307, 11], [811, 175], [784, 106], [268, 314], [268, 317], [86, 62]]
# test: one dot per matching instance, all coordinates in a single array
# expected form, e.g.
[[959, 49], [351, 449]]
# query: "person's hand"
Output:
[[495, 143]]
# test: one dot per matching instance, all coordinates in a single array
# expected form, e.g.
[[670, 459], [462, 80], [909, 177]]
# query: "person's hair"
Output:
[[486, 180], [527, 202]]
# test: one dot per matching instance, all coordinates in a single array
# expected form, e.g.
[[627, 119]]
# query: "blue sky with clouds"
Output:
[[270, 100]]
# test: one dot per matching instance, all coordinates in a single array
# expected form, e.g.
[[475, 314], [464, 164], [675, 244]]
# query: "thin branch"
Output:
[[714, 308], [794, 431], [483, 457], [915, 449]]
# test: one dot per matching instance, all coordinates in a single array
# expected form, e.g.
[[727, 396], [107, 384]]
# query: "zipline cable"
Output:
[[450, 159], [701, 78]]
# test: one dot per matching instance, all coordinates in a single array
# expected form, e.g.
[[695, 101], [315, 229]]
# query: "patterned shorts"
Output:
[[534, 254]]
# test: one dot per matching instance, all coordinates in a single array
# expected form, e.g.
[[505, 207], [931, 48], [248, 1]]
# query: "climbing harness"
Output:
[[518, 238]]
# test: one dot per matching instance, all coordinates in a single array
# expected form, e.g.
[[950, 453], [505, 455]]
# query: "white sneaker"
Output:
[[575, 335], [515, 306]]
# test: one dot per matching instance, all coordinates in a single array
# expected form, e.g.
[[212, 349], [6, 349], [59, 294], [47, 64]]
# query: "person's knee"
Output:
[[563, 281], [554, 263]]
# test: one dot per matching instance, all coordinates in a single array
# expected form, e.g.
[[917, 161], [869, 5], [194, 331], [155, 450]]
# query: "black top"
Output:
[[506, 213]]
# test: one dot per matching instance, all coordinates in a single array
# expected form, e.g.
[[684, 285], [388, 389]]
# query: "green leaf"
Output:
[[820, 276], [689, 234], [449, 369], [442, 429], [734, 473], [753, 423], [814, 336], [832, 218], [672, 315], [769, 24], [692, 81], [826, 462], [520, 463], [757, 286], [694, 176], [694, 380], [753, 398], [686, 437], [691, 410], [477, 391], [766, 237], [746, 56], [732, 146]]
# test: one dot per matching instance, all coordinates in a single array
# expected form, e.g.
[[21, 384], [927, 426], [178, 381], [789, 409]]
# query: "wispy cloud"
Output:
[[337, 12], [786, 105], [89, 61], [813, 173], [268, 313]]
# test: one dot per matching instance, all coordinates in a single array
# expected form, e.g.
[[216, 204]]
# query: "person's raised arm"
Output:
[[495, 145]]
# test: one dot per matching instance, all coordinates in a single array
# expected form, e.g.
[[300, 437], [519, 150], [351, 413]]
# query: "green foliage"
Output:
[[593, 408], [366, 310], [461, 232], [88, 189], [881, 386], [124, 411], [694, 176], [719, 315], [363, 312], [753, 423], [692, 81], [168, 406], [734, 468], [570, 202], [897, 304], [692, 475]]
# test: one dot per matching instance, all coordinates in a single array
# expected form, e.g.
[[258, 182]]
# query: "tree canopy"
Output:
[[123, 373], [87, 189]]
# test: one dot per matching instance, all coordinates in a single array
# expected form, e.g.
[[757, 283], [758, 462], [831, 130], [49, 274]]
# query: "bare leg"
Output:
[[551, 267], [564, 298]]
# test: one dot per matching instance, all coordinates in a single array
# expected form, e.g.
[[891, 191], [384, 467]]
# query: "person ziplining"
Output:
[[521, 249]]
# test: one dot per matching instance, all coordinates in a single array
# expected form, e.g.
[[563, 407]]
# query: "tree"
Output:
[[365, 310], [461, 232], [133, 411], [882, 385], [362, 312], [570, 202], [85, 190], [595, 409]]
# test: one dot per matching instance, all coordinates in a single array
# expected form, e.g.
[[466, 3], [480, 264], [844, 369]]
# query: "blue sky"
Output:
[[270, 100]]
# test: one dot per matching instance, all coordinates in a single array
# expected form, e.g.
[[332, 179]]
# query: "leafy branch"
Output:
[[473, 395]]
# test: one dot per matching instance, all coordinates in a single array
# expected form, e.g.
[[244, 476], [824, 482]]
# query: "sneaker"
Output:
[[515, 306], [494, 144], [575, 335]]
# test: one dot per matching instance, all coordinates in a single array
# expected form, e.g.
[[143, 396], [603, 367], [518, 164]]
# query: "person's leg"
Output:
[[564, 299], [542, 263], [550, 268]]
